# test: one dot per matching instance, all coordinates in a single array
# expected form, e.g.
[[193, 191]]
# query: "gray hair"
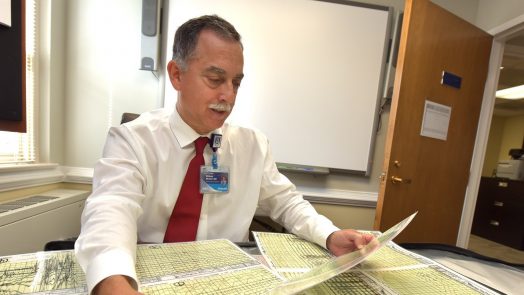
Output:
[[186, 36]]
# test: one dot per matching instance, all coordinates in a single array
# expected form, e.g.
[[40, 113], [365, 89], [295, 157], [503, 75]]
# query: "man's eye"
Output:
[[236, 84], [215, 81]]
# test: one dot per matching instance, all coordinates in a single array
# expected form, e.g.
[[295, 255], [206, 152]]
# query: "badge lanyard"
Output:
[[214, 179], [215, 142]]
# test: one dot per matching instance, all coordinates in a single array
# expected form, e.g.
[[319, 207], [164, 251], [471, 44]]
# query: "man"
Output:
[[137, 182]]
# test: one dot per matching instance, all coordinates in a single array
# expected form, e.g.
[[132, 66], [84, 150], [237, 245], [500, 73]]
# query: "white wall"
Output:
[[102, 76], [101, 80], [50, 86], [494, 13], [465, 9]]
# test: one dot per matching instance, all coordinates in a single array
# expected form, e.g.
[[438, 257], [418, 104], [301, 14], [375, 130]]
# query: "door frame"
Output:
[[500, 34]]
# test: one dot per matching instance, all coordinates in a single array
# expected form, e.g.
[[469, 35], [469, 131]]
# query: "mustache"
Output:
[[221, 107]]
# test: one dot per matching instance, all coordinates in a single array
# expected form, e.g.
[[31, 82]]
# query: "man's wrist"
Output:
[[112, 283], [328, 239]]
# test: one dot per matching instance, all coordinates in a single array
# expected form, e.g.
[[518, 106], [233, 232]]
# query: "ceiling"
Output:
[[512, 74]]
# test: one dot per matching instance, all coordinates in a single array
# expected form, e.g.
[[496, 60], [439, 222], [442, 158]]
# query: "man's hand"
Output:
[[115, 285], [347, 240]]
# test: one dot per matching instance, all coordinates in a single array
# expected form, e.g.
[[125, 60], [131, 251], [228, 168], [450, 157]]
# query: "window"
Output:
[[20, 147]]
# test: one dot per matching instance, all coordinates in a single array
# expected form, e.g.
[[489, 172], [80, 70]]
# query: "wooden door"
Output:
[[432, 174]]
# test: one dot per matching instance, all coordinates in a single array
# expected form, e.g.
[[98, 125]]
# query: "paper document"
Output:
[[339, 264], [213, 266], [391, 269]]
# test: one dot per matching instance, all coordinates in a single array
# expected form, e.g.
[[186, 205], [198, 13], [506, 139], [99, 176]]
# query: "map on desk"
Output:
[[220, 267]]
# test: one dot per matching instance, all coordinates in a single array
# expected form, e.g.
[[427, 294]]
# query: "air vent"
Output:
[[5, 207]]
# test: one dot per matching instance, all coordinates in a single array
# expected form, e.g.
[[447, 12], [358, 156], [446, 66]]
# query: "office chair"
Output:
[[67, 244], [128, 117]]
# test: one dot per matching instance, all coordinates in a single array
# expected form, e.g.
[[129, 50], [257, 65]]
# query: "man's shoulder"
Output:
[[146, 127], [154, 116], [151, 120], [244, 133]]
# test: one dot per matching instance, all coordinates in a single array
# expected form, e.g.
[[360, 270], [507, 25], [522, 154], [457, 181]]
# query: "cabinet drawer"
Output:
[[503, 228], [499, 212]]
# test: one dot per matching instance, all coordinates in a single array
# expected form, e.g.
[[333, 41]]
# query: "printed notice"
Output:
[[435, 122]]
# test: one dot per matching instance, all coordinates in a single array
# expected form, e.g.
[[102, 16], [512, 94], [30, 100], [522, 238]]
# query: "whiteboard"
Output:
[[314, 74]]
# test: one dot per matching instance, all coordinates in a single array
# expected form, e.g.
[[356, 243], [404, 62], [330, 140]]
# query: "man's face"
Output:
[[208, 88]]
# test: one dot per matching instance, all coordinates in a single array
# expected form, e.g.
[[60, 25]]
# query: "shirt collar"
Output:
[[184, 134]]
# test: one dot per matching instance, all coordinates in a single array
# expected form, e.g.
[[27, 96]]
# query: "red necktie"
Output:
[[183, 224]]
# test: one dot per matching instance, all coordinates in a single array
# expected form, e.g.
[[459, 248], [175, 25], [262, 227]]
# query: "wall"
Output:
[[505, 133], [50, 86], [493, 147], [512, 136], [466, 9], [103, 80], [494, 13], [98, 80], [361, 218]]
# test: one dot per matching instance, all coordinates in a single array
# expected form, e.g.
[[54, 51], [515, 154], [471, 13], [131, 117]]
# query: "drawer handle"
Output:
[[503, 184], [494, 223], [498, 204]]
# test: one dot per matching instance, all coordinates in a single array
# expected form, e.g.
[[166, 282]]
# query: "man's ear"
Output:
[[175, 73]]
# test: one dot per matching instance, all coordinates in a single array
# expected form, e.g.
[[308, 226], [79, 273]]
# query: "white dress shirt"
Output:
[[137, 181]]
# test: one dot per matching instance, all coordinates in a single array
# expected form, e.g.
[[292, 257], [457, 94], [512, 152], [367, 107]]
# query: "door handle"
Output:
[[494, 223], [396, 179]]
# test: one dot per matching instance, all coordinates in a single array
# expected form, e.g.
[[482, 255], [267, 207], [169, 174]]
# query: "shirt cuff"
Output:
[[326, 229], [113, 262]]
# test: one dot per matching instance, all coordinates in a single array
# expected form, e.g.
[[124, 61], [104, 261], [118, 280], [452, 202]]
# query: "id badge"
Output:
[[214, 180]]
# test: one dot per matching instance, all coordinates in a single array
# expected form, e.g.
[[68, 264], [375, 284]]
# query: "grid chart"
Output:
[[254, 280], [181, 260], [391, 256], [390, 270], [290, 251], [427, 280], [42, 272], [346, 283]]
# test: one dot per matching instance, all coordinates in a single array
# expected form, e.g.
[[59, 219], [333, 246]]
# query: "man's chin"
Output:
[[216, 124]]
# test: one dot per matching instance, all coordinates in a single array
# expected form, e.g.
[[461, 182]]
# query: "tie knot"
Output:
[[200, 144]]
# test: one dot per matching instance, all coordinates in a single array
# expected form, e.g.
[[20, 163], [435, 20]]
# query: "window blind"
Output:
[[20, 147]]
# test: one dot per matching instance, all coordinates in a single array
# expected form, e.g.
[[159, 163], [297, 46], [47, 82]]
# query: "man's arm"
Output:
[[280, 200], [107, 242]]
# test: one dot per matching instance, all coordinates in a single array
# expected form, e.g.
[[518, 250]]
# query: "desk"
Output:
[[506, 279], [220, 267]]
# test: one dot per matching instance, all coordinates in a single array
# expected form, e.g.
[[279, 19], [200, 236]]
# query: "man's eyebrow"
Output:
[[215, 70], [239, 76], [220, 71]]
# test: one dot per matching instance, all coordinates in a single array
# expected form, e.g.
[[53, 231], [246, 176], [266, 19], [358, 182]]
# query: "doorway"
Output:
[[508, 40]]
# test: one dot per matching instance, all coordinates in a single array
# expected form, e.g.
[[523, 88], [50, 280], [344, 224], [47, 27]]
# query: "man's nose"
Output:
[[227, 92]]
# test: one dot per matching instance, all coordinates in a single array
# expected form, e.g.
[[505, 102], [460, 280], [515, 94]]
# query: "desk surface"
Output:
[[506, 279], [220, 267]]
